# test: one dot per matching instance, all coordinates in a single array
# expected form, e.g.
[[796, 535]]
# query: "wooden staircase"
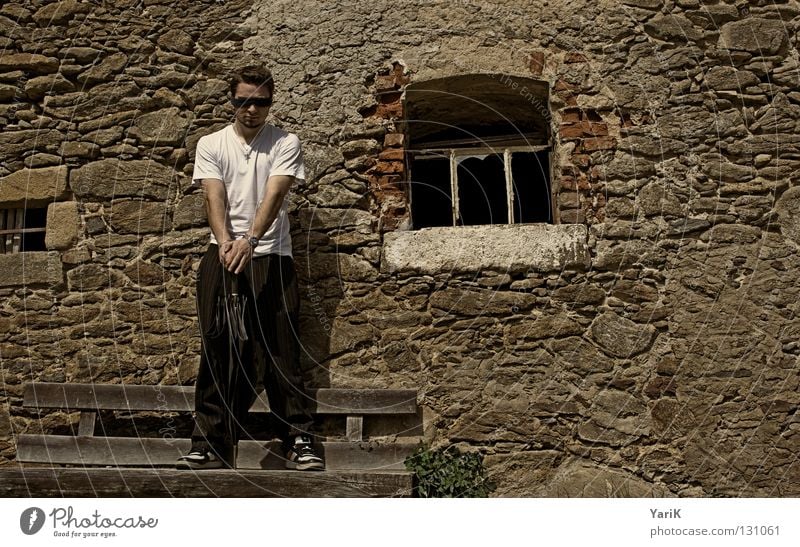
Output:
[[89, 465]]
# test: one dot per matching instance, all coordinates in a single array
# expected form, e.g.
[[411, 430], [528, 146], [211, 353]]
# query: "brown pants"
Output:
[[271, 353]]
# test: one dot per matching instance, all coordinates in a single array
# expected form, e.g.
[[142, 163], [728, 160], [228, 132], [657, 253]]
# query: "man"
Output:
[[246, 170]]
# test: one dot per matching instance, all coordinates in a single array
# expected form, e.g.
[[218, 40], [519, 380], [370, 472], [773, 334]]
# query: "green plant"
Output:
[[448, 473]]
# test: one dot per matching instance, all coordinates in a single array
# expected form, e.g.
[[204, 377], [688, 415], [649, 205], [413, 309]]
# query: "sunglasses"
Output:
[[244, 102]]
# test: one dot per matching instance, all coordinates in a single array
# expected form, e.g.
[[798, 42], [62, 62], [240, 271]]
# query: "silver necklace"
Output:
[[247, 149]]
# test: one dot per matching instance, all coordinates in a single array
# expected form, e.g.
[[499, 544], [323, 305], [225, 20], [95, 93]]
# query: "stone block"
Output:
[[176, 40], [30, 268], [105, 180], [788, 209], [61, 12], [28, 62], [619, 336], [503, 248], [138, 217], [38, 87], [190, 211], [162, 127], [754, 35], [63, 223], [33, 187]]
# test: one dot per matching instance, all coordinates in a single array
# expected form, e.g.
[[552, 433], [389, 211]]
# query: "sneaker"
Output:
[[199, 458], [301, 456]]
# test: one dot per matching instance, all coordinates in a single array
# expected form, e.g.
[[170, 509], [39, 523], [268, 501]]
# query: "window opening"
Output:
[[479, 151], [22, 230]]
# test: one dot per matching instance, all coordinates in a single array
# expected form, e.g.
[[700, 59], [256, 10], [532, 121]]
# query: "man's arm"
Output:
[[240, 252], [217, 212]]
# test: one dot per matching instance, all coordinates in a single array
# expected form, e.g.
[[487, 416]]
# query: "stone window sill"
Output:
[[514, 248]]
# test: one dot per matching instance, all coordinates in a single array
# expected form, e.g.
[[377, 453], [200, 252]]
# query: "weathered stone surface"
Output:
[[29, 62], [30, 269], [612, 255], [512, 248], [38, 87], [583, 479], [545, 326], [17, 142], [138, 217], [754, 35], [520, 474], [146, 273], [63, 223], [33, 187], [656, 199], [729, 78], [104, 70], [162, 127], [621, 337], [579, 356], [58, 13], [788, 209], [190, 211], [108, 179], [177, 40], [673, 28], [480, 302], [89, 277], [318, 218]]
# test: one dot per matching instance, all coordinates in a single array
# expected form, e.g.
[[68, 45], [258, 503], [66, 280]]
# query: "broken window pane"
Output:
[[432, 200], [530, 172], [482, 190]]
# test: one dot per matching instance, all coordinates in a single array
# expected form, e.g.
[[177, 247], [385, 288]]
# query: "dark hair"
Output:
[[256, 75]]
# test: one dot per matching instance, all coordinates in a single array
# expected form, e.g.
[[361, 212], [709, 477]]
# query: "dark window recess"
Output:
[[531, 181], [22, 230], [430, 190], [482, 190], [478, 150]]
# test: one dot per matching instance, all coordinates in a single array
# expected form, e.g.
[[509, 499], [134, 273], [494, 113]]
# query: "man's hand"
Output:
[[224, 247], [237, 256]]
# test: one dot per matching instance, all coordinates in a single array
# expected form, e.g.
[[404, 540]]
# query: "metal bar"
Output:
[[19, 215]]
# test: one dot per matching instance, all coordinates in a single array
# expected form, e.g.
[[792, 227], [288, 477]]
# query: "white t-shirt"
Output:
[[221, 155]]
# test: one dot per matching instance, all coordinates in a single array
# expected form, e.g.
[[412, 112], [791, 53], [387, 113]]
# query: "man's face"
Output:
[[252, 115]]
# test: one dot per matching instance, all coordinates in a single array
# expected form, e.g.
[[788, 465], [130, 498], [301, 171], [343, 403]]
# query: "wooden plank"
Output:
[[181, 399], [108, 397], [158, 452], [355, 428], [86, 425], [366, 401], [59, 482]]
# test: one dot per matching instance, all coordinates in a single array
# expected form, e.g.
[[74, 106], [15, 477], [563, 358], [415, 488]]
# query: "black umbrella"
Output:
[[234, 306]]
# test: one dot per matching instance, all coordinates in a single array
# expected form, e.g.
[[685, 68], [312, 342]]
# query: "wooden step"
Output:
[[161, 452], [44, 395], [136, 482]]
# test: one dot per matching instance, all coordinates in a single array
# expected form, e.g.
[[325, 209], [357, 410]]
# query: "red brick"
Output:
[[570, 115], [594, 129], [570, 131], [393, 154], [536, 64], [388, 167], [390, 111], [394, 139], [563, 85], [599, 143]]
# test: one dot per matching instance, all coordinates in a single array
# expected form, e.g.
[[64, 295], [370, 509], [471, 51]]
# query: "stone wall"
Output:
[[645, 346]]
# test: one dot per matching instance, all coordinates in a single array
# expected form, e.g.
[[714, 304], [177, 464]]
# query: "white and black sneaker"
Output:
[[199, 458], [301, 456]]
